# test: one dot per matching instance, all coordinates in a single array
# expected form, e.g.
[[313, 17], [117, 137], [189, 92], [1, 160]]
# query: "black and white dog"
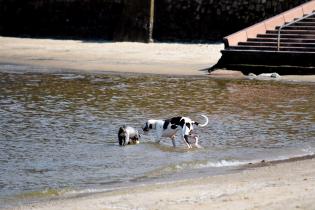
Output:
[[128, 135], [169, 128]]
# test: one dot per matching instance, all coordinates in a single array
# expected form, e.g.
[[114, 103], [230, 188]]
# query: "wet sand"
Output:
[[287, 185]]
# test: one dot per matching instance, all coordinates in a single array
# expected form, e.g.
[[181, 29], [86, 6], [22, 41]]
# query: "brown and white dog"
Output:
[[169, 128]]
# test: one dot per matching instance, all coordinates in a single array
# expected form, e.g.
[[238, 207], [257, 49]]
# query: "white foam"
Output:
[[86, 191], [213, 164], [227, 163], [236, 163]]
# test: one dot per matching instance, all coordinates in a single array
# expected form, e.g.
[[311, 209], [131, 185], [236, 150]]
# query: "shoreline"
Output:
[[76, 198], [275, 185], [226, 75], [8, 68]]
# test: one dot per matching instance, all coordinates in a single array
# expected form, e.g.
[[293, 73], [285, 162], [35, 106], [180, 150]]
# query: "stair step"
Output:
[[297, 50], [287, 31], [302, 23], [283, 40], [270, 48], [275, 44], [309, 19], [261, 57], [297, 27], [295, 36]]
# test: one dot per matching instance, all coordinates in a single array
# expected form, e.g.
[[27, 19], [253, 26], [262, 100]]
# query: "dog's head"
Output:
[[149, 125], [188, 127], [134, 140], [122, 136], [185, 123]]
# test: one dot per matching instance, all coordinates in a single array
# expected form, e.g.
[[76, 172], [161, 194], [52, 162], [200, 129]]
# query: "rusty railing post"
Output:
[[151, 21]]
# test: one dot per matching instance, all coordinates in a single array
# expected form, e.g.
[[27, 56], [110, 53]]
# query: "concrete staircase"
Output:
[[299, 36], [284, 44]]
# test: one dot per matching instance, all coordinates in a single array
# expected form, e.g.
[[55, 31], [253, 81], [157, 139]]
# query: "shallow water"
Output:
[[58, 132]]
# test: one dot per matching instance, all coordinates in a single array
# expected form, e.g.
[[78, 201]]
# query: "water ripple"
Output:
[[59, 131]]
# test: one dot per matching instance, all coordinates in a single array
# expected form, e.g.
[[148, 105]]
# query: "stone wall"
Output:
[[128, 20], [134, 22], [212, 19]]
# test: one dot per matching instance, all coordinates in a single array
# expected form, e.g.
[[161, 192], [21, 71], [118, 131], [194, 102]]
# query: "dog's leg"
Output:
[[173, 140], [196, 139], [127, 140], [185, 137], [158, 137], [197, 142]]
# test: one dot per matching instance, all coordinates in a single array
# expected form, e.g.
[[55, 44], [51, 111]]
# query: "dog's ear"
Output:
[[146, 127], [182, 123], [121, 130]]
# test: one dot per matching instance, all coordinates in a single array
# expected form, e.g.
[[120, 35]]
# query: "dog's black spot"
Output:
[[175, 120], [150, 126], [166, 122], [174, 126], [188, 125]]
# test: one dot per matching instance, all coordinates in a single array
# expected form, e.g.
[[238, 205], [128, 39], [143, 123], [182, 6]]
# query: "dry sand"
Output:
[[288, 185], [159, 58]]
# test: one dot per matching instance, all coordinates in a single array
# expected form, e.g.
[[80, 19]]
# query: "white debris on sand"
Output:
[[264, 76]]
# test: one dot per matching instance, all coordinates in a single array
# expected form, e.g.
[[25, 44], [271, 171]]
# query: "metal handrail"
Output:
[[288, 24]]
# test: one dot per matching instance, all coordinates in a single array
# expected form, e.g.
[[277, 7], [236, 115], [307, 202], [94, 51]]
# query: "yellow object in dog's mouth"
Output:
[[134, 141]]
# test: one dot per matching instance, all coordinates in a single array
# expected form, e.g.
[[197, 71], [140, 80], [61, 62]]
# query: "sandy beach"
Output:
[[288, 185], [47, 55], [156, 58]]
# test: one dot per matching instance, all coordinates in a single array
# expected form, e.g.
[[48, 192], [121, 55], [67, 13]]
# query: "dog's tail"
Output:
[[206, 123]]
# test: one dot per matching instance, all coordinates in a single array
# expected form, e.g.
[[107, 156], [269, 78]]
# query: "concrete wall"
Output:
[[128, 20]]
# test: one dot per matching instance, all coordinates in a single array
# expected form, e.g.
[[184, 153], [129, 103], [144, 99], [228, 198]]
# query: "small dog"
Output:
[[128, 135], [169, 128]]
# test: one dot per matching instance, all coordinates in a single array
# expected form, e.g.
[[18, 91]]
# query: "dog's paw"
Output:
[[189, 146]]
